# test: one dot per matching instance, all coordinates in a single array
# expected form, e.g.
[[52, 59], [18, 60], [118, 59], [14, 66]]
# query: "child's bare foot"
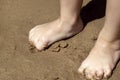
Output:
[[44, 35], [101, 60]]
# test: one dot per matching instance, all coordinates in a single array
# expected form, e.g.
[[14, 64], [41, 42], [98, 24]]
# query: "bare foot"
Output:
[[44, 35], [101, 60]]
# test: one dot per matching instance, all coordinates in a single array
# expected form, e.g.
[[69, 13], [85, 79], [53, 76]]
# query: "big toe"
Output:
[[82, 69], [41, 45], [39, 42], [107, 72]]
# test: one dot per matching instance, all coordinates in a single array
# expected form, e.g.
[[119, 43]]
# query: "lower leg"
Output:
[[70, 10], [106, 52], [111, 30], [68, 24]]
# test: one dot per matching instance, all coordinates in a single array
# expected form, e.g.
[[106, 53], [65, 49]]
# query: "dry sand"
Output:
[[58, 62]]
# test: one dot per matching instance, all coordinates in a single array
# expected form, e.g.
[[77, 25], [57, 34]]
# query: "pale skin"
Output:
[[68, 24], [105, 54]]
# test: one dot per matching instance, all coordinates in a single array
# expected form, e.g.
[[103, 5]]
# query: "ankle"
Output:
[[110, 33], [106, 43], [70, 20]]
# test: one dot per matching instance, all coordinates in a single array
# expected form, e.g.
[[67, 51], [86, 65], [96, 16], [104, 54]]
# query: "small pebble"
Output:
[[56, 45], [94, 38], [31, 47], [63, 44], [56, 49]]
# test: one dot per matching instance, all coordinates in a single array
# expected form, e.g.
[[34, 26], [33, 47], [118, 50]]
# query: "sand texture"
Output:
[[19, 61]]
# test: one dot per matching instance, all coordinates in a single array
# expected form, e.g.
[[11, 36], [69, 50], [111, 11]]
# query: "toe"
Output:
[[41, 45], [107, 72], [31, 32], [33, 40], [30, 36], [99, 74], [82, 69], [88, 74], [33, 29]]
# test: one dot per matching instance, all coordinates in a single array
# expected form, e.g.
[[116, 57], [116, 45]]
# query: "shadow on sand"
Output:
[[95, 9]]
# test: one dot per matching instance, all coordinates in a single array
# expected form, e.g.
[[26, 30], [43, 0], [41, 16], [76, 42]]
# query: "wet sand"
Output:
[[18, 61]]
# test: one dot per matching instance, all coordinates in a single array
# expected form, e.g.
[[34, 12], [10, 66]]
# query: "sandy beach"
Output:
[[19, 61]]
